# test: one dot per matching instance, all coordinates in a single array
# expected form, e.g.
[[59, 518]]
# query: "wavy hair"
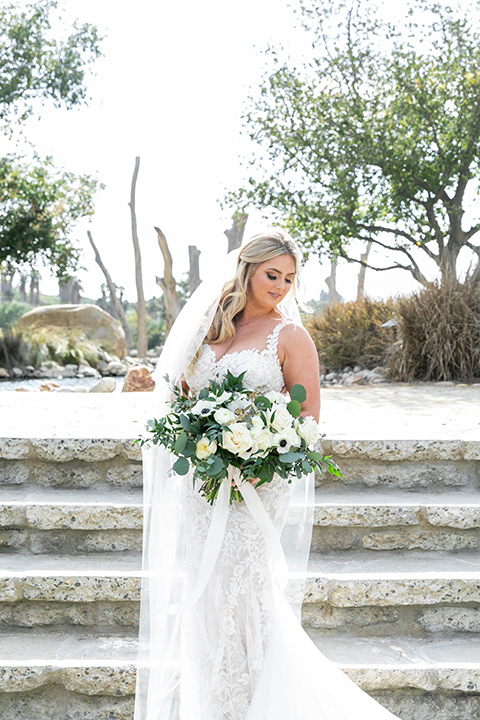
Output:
[[259, 249]]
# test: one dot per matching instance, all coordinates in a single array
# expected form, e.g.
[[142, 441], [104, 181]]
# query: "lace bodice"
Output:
[[262, 367]]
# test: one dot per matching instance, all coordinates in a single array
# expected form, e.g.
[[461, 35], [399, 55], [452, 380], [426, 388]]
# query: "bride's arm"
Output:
[[299, 359]]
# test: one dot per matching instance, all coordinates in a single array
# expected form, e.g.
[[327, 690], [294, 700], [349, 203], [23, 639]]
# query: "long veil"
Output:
[[163, 593]]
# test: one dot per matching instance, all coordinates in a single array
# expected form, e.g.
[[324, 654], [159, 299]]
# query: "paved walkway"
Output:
[[393, 412]]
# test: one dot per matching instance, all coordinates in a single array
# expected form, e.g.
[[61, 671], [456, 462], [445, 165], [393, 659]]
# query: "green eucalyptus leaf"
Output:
[[294, 408], [298, 393], [181, 443], [181, 466]]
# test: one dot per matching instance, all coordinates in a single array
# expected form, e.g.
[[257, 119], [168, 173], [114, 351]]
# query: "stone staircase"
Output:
[[392, 596]]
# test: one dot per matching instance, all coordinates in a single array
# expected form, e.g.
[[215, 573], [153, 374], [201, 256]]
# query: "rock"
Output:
[[92, 320], [4, 373], [445, 383], [87, 371], [116, 368], [105, 385], [330, 376], [134, 353], [48, 386], [138, 379], [357, 369], [71, 389], [25, 388], [17, 372]]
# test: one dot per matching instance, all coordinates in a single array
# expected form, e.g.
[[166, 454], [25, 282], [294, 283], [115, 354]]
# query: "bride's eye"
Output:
[[288, 281], [271, 277]]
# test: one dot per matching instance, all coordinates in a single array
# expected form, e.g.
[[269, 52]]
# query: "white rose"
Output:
[[203, 407], [238, 440], [257, 426], [286, 439], [265, 440], [205, 448], [282, 419], [223, 416], [308, 430], [276, 397]]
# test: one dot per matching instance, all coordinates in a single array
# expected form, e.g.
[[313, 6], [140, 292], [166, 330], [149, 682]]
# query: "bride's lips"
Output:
[[275, 295]]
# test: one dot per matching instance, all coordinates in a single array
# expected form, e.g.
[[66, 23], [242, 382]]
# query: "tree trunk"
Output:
[[362, 271], [34, 290], [69, 292], [22, 289], [194, 273], [168, 282], [7, 286], [331, 281], [140, 306], [119, 309], [235, 234]]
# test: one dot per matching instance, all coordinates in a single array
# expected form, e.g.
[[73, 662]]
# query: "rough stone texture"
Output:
[[417, 705], [316, 590], [80, 589], [465, 619], [408, 591], [374, 678], [61, 450], [138, 379], [464, 516], [112, 541], [57, 703], [93, 321], [366, 515], [329, 618], [13, 539], [13, 472], [9, 590], [415, 450], [83, 517], [12, 515], [68, 474], [421, 540], [99, 614], [13, 448], [126, 474], [100, 680]]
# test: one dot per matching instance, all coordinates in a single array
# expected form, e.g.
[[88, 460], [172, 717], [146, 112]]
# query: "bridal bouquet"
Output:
[[227, 425]]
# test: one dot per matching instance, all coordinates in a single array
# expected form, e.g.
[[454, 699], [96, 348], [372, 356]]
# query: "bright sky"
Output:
[[171, 89]]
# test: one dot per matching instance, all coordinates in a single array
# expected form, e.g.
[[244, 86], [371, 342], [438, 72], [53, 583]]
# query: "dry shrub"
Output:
[[351, 333], [438, 334]]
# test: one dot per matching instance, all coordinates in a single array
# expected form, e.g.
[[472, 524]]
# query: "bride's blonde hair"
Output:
[[259, 249]]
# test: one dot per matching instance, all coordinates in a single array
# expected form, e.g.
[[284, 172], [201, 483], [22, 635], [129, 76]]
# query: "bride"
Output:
[[219, 636]]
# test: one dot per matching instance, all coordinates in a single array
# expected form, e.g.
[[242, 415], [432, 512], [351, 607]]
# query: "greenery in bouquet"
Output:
[[226, 425]]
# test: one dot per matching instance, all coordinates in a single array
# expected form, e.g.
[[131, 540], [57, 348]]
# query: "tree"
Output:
[[140, 307], [39, 205], [377, 138], [35, 66]]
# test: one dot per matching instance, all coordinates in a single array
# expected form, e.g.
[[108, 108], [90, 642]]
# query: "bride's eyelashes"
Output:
[[274, 277]]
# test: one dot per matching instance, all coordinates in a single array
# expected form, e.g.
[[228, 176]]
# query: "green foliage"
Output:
[[351, 333], [36, 66], [377, 138], [10, 312], [18, 349], [39, 206], [438, 334]]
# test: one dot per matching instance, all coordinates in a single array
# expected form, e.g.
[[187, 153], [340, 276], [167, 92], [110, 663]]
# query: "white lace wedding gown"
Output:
[[245, 656]]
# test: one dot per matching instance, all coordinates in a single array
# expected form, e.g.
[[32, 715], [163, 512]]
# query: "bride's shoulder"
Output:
[[294, 338]]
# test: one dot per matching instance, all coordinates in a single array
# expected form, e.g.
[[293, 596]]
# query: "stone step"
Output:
[[52, 520], [405, 464], [389, 464], [363, 594], [45, 674]]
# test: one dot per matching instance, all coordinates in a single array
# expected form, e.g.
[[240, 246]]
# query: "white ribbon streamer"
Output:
[[216, 532]]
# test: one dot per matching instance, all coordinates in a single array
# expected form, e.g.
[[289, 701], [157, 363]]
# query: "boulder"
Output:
[[138, 379], [90, 319], [48, 386], [105, 385], [4, 373]]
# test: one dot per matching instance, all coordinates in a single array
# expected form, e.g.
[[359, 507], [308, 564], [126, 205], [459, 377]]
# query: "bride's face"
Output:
[[271, 281]]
